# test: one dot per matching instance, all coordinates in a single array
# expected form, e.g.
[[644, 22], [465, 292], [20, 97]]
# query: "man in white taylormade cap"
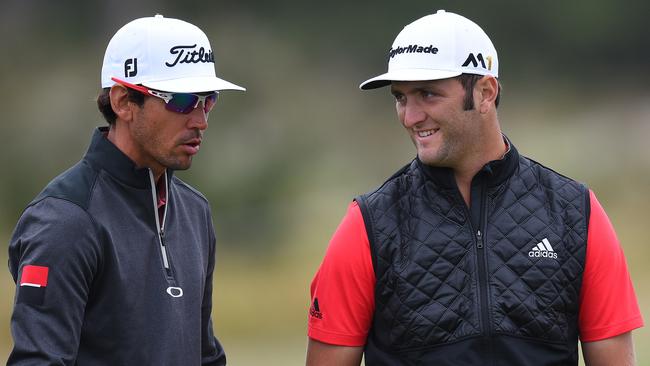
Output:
[[113, 260], [471, 254]]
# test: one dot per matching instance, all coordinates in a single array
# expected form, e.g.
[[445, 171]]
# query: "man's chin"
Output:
[[434, 160], [428, 159], [180, 165]]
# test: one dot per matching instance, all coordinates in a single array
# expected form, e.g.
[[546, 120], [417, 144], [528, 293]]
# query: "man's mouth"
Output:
[[193, 142], [192, 145], [426, 133]]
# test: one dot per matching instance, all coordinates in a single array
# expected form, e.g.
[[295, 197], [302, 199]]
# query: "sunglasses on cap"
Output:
[[176, 102]]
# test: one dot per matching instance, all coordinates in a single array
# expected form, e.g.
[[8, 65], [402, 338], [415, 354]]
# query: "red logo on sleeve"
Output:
[[34, 276]]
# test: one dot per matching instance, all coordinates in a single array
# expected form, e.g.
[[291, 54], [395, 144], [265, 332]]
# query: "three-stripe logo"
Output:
[[543, 249]]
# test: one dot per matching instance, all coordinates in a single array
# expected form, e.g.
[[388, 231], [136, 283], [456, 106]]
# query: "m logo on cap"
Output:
[[130, 67], [474, 60]]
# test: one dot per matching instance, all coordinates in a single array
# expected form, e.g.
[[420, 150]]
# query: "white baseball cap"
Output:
[[164, 54], [438, 46]]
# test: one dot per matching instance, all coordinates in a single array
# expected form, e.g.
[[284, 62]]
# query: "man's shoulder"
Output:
[[548, 177], [73, 185], [543, 170], [395, 181], [188, 191], [59, 214]]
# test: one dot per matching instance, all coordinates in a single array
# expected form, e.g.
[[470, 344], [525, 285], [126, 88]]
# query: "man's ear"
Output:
[[488, 89], [120, 103]]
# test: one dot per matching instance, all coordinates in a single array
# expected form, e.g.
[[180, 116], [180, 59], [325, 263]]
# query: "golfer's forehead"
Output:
[[409, 86]]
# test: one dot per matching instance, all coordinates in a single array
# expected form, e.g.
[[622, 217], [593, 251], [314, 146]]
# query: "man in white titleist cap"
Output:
[[471, 254], [113, 260]]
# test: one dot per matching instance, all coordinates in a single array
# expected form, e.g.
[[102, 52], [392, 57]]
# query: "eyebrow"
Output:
[[417, 89]]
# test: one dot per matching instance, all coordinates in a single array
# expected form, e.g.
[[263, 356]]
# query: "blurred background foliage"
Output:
[[282, 160]]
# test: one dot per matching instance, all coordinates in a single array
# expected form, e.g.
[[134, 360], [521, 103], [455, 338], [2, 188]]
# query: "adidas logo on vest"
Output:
[[543, 249]]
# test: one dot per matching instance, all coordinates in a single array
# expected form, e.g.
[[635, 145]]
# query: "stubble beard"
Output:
[[171, 161], [438, 157], [152, 145], [177, 165], [458, 140]]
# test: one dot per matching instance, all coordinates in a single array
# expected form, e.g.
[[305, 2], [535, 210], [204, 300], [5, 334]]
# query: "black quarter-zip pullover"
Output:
[[113, 285]]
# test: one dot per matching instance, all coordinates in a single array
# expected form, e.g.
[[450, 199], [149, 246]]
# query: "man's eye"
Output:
[[399, 98], [428, 94]]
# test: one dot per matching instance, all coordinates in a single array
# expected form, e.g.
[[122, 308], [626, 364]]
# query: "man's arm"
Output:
[[53, 257], [323, 354], [617, 350], [608, 307], [212, 354], [342, 296]]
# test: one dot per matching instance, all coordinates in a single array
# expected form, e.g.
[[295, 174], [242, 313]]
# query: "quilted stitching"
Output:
[[537, 297], [426, 290]]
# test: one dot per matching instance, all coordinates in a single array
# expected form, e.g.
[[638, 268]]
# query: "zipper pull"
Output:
[[479, 240], [163, 249]]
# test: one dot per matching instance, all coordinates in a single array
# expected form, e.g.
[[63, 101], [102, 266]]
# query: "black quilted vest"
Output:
[[497, 283]]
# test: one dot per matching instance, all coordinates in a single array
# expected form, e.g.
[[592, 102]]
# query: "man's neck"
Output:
[[121, 139], [465, 173]]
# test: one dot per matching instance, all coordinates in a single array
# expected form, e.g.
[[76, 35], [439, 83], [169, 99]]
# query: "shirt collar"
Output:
[[495, 171], [102, 154]]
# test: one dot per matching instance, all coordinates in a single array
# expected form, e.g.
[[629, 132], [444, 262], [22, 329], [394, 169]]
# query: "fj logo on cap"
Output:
[[185, 56], [130, 67], [414, 48], [474, 60]]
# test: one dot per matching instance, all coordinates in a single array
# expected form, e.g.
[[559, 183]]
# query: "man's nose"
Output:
[[198, 118], [412, 114]]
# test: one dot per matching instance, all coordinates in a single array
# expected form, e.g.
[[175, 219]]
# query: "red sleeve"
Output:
[[342, 291], [608, 305]]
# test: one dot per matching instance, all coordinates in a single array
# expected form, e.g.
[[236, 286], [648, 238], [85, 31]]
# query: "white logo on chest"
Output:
[[543, 249]]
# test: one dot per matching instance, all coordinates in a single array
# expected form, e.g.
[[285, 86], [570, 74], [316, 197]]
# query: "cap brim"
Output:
[[407, 75], [193, 85]]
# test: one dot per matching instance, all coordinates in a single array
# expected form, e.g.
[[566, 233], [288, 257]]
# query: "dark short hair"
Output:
[[104, 103], [468, 81]]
